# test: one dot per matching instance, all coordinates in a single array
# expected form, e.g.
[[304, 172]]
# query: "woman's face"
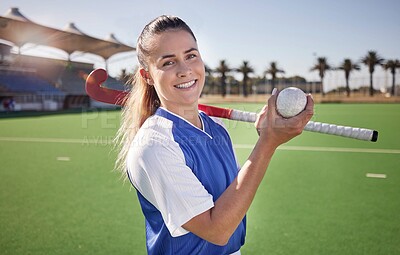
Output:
[[176, 70]]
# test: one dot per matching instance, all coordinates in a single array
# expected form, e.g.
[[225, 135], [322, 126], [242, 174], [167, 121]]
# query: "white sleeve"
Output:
[[158, 171]]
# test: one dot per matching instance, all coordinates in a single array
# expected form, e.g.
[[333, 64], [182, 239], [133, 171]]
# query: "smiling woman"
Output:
[[193, 193]]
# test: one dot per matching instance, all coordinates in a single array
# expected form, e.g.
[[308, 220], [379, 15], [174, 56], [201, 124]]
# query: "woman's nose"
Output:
[[184, 70]]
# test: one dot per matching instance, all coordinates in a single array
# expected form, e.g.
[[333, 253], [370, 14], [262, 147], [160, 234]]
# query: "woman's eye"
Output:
[[191, 56], [168, 63]]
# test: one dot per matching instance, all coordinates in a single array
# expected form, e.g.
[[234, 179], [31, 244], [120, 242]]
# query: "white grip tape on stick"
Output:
[[243, 116], [325, 128], [356, 133]]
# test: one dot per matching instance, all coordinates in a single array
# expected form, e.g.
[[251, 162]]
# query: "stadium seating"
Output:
[[26, 83], [72, 83], [112, 83], [49, 84]]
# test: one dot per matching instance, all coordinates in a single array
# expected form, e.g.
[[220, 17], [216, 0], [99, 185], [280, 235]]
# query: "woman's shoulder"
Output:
[[155, 128], [153, 138]]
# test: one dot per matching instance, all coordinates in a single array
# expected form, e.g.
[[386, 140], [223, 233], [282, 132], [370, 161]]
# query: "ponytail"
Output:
[[141, 103]]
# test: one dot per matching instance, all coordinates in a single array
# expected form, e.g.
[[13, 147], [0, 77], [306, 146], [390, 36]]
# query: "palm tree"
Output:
[[321, 66], [348, 66], [273, 70], [371, 60], [223, 69], [245, 69], [124, 76], [392, 65], [209, 79]]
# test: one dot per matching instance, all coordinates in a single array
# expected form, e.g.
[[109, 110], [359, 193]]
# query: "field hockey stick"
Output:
[[117, 97]]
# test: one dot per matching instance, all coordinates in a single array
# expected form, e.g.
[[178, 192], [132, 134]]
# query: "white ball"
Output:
[[290, 102]]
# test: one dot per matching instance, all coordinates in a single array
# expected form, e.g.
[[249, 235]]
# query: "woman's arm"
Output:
[[219, 223]]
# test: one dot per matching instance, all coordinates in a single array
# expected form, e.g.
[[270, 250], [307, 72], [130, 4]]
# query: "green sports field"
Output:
[[59, 195]]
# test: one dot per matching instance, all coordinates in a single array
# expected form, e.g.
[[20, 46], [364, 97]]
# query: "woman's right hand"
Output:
[[276, 130]]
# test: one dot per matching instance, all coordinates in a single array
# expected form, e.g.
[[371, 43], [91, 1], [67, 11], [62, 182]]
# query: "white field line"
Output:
[[63, 158], [372, 175], [101, 141], [40, 140], [94, 140]]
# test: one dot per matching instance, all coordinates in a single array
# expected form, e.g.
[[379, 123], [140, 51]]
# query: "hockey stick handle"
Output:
[[318, 127]]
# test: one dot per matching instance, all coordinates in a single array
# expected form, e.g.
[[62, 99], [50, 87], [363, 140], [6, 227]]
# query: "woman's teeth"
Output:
[[185, 85]]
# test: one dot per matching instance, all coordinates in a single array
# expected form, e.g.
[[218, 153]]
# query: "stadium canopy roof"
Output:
[[19, 30]]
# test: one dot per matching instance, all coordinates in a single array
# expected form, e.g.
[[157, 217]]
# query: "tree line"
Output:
[[370, 60], [223, 70]]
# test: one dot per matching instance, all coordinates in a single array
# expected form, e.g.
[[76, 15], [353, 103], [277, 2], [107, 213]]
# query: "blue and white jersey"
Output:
[[179, 172]]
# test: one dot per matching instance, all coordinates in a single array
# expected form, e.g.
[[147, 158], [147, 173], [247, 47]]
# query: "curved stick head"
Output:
[[99, 93]]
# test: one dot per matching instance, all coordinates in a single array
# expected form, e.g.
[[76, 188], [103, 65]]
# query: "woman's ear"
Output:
[[146, 76]]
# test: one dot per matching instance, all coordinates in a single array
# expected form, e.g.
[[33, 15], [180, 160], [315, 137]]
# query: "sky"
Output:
[[292, 33]]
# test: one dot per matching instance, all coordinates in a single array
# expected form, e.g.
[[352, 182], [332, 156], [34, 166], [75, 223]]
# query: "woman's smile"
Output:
[[186, 85]]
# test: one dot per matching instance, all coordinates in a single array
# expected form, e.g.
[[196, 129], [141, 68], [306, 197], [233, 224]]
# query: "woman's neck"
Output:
[[190, 114]]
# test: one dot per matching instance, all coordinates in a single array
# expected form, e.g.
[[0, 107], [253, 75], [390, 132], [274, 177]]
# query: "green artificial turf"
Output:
[[310, 202]]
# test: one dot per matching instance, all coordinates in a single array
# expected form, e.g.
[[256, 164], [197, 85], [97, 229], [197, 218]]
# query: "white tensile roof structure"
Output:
[[19, 30]]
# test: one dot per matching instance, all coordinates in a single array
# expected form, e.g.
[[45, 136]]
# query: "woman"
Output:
[[193, 194]]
